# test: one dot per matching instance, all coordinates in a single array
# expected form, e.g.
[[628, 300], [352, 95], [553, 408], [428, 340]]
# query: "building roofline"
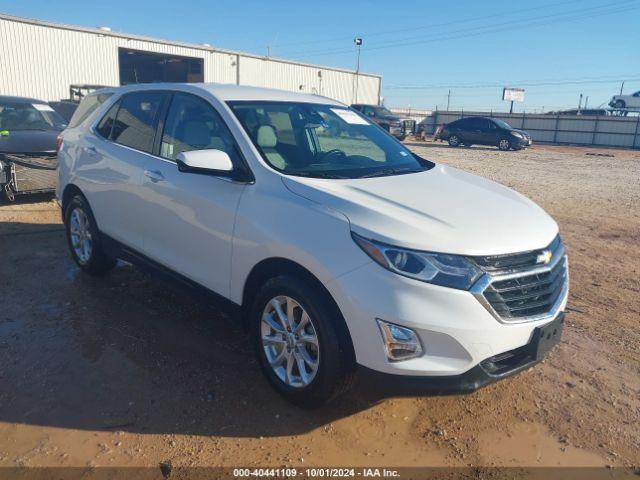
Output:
[[196, 46]]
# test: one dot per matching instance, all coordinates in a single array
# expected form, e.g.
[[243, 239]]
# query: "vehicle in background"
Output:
[[484, 131], [28, 132], [392, 123], [333, 243], [626, 101], [67, 107]]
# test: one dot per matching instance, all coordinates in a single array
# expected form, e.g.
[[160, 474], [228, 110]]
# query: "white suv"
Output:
[[334, 243]]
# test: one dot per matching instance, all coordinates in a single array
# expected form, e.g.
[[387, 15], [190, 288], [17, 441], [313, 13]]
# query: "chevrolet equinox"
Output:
[[334, 244]]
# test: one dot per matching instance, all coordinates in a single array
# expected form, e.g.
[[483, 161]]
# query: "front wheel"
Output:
[[504, 144], [83, 238], [454, 141], [303, 352], [619, 104]]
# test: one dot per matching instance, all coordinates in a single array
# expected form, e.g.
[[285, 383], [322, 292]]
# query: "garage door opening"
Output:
[[147, 67]]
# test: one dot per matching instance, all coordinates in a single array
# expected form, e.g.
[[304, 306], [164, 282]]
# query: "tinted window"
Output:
[[463, 123], [106, 124], [137, 119], [88, 105], [477, 124], [193, 124]]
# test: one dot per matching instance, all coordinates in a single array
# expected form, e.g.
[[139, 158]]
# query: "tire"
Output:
[[333, 354], [83, 238], [402, 138], [454, 141], [504, 144], [619, 104]]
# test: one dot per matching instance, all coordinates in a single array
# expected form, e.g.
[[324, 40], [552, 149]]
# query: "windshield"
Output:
[[502, 124], [383, 112], [323, 141], [29, 116]]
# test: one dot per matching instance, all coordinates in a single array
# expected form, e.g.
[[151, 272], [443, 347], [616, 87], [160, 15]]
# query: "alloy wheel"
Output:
[[290, 341], [80, 232]]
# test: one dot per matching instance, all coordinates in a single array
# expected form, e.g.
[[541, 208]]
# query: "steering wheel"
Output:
[[331, 153]]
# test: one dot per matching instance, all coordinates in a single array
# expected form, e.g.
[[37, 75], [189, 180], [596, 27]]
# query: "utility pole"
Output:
[[448, 99], [356, 79], [586, 101], [580, 103], [268, 51], [511, 107], [621, 87]]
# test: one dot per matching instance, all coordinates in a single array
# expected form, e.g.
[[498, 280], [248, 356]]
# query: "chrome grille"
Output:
[[516, 288]]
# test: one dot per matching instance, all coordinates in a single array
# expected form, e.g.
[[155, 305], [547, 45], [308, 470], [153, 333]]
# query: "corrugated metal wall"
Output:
[[605, 131], [43, 60]]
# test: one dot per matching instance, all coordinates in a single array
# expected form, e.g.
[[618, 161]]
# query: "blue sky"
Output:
[[554, 49]]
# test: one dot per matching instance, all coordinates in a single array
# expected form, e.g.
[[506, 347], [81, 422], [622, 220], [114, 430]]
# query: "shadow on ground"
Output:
[[128, 352]]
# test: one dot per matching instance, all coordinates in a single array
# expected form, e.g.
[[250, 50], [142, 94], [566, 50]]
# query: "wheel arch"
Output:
[[70, 191], [276, 266]]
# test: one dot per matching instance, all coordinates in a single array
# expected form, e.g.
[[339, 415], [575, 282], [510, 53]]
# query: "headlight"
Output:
[[452, 271], [517, 134]]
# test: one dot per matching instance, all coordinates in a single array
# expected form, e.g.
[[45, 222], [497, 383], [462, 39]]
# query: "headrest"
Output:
[[267, 137], [196, 134]]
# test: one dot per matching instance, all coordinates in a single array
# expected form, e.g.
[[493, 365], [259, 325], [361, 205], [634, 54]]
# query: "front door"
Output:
[[189, 217]]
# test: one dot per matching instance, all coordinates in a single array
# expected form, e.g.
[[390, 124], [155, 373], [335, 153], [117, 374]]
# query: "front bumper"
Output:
[[456, 332], [521, 142], [486, 372]]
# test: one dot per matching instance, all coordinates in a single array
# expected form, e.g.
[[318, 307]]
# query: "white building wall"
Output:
[[41, 60]]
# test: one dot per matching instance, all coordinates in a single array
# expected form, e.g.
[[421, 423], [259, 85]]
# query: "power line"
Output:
[[613, 8], [422, 27], [543, 83]]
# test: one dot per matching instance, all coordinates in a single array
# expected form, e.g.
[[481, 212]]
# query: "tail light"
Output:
[[58, 143]]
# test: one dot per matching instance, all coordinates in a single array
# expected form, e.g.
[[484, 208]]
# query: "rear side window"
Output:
[[105, 126], [137, 119], [88, 105]]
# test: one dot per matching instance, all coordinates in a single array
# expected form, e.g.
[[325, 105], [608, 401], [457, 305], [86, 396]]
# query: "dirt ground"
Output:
[[125, 371]]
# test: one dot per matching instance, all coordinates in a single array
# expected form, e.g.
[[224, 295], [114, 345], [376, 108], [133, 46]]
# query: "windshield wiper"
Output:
[[389, 171], [318, 175]]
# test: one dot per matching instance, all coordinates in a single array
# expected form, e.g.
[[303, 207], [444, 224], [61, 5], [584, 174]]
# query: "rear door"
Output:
[[111, 166], [189, 217]]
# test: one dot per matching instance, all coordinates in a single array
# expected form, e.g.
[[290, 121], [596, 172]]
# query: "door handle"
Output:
[[154, 175]]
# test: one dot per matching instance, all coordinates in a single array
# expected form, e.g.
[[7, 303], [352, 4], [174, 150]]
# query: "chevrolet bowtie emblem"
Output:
[[544, 257]]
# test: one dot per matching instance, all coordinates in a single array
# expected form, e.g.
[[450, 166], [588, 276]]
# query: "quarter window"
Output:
[[137, 120], [106, 124], [193, 124]]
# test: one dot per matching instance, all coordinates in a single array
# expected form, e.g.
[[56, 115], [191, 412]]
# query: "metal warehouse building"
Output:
[[41, 59]]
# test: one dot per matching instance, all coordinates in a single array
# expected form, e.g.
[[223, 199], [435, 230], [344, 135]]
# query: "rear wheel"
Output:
[[302, 351], [454, 141], [619, 104], [83, 238], [504, 144]]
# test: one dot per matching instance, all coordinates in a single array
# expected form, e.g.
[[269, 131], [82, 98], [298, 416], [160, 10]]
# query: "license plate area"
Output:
[[547, 337]]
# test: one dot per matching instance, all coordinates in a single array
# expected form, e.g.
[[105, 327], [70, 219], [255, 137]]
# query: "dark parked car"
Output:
[[28, 132], [392, 123], [484, 131]]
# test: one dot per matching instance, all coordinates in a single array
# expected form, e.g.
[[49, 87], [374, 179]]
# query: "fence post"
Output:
[[435, 122], [555, 132], [524, 117], [635, 135], [595, 131]]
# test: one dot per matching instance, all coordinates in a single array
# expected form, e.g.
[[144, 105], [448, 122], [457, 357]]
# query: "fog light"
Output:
[[400, 343]]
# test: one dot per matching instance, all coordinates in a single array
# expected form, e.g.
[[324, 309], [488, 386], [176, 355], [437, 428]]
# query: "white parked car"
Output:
[[626, 101], [334, 243]]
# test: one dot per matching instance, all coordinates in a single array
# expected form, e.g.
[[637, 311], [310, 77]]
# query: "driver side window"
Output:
[[193, 124]]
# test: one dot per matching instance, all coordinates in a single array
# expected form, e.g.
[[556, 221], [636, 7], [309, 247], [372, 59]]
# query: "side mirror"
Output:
[[210, 161]]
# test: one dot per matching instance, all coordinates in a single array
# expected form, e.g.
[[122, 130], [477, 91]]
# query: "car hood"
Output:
[[29, 141], [440, 210]]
